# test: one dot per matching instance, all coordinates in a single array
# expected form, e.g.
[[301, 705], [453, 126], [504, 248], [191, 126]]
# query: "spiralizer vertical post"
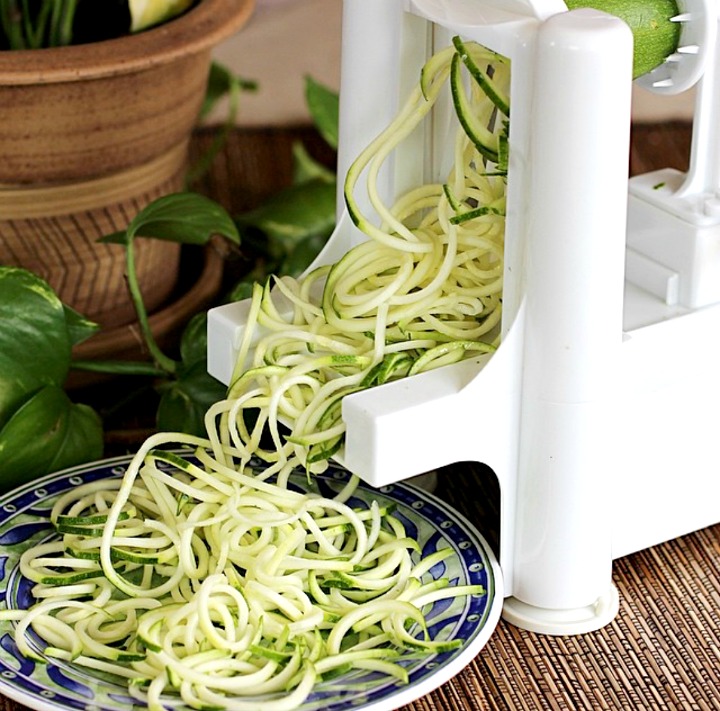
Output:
[[573, 327]]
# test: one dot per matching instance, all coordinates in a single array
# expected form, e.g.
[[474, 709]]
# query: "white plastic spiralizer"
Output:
[[600, 410]]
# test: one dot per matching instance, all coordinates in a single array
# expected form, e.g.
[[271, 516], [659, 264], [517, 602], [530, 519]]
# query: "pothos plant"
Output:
[[41, 428]]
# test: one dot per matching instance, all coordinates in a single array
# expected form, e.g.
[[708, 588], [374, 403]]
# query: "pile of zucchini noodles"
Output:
[[210, 582], [423, 291]]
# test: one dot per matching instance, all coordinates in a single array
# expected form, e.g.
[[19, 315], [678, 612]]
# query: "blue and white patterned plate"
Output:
[[61, 685]]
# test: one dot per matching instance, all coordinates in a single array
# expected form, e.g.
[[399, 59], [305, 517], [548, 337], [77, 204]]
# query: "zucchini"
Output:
[[656, 36]]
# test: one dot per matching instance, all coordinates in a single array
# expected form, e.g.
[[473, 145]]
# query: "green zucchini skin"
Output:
[[655, 36]]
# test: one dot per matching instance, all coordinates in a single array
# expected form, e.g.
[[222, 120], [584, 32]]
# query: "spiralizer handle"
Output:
[[703, 177]]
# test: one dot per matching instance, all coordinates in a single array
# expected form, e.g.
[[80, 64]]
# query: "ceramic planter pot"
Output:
[[89, 135]]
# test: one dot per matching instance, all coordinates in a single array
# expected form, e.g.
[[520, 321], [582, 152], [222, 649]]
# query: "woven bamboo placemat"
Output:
[[662, 651]]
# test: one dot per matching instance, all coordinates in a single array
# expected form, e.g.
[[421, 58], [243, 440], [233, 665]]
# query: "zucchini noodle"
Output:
[[213, 581], [424, 290]]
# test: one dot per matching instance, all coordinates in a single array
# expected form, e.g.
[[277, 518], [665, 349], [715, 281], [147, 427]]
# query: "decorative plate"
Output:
[[62, 685]]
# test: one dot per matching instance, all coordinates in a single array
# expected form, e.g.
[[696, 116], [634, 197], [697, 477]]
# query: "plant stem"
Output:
[[33, 25], [204, 162], [31, 35], [65, 29], [11, 19], [163, 361], [118, 367]]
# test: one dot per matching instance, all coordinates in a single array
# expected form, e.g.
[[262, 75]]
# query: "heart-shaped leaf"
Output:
[[193, 344], [295, 213], [34, 340], [323, 104], [79, 328], [47, 433], [186, 218], [302, 255], [183, 403], [306, 168]]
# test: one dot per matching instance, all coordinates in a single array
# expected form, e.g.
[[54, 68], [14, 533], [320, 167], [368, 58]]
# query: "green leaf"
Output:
[[221, 81], [300, 258], [79, 328], [193, 343], [306, 168], [323, 104], [47, 433], [183, 403], [187, 218], [295, 213], [34, 340], [114, 238], [241, 290]]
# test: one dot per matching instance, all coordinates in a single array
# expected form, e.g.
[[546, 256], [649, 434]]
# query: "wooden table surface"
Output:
[[663, 649]]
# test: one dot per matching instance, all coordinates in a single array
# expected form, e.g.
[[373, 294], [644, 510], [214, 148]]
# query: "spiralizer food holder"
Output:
[[598, 412]]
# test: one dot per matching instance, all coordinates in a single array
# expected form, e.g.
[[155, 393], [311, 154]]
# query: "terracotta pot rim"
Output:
[[199, 29]]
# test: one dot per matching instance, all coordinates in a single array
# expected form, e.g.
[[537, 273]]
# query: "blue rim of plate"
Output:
[[61, 685]]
